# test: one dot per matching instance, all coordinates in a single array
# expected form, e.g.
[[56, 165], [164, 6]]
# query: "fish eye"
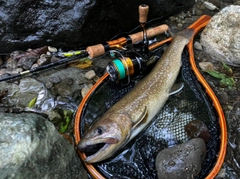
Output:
[[99, 130]]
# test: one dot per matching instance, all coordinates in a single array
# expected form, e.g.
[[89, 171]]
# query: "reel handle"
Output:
[[100, 49], [143, 13]]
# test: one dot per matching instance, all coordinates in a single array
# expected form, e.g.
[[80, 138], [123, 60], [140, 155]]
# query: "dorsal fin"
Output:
[[141, 118]]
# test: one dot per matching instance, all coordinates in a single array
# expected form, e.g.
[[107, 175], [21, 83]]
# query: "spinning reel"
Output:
[[125, 65], [131, 63]]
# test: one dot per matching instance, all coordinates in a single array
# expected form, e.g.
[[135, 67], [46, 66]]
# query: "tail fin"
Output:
[[187, 33]]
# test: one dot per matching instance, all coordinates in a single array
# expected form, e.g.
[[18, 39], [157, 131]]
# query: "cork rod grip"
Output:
[[97, 50], [143, 13], [150, 33]]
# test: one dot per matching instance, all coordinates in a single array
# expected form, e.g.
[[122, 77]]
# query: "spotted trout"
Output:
[[131, 114]]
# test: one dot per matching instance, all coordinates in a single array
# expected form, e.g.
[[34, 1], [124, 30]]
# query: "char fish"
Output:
[[131, 114]]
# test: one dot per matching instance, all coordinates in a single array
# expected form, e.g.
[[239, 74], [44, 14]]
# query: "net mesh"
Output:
[[137, 159]]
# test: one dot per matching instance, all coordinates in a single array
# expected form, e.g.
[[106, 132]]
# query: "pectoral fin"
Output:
[[177, 87], [141, 118]]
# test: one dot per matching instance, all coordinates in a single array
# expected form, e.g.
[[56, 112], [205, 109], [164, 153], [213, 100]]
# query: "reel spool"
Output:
[[125, 66]]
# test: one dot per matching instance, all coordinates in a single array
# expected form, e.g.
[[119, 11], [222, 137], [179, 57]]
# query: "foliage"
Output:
[[67, 115], [82, 63], [32, 102], [224, 79]]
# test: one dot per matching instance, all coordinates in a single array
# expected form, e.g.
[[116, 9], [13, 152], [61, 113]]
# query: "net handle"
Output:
[[197, 26]]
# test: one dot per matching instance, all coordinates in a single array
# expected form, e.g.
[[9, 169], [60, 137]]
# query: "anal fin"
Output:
[[177, 87]]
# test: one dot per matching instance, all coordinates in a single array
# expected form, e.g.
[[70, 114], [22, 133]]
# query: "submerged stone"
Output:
[[181, 161], [197, 128]]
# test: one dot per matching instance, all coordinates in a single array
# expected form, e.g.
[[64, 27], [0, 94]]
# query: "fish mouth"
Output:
[[96, 150]]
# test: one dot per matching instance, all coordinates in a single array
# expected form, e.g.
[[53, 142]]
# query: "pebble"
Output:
[[197, 128], [198, 46], [84, 91], [54, 59], [52, 49], [180, 25], [49, 85], [35, 65], [55, 79], [181, 161], [16, 71], [68, 81], [90, 74], [3, 71], [96, 78], [210, 6], [206, 66], [43, 60], [27, 62]]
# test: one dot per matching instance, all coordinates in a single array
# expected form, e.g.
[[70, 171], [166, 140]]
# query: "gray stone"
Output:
[[90, 74], [181, 161], [198, 46], [27, 62], [70, 24], [32, 148], [220, 38]]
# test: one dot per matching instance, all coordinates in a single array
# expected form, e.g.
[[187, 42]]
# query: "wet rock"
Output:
[[27, 62], [72, 81], [197, 129], [64, 90], [44, 59], [233, 136], [220, 38], [11, 63], [70, 24], [31, 147], [21, 94], [181, 161]]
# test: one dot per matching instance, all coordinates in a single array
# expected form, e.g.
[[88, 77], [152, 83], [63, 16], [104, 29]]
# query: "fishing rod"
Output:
[[100, 49]]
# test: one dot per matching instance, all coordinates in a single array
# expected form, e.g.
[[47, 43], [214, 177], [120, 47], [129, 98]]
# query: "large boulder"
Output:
[[220, 38], [71, 24], [31, 147]]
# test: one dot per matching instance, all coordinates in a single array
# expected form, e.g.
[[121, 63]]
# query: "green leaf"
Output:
[[216, 74], [227, 68], [224, 80], [229, 82], [66, 121], [32, 102]]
